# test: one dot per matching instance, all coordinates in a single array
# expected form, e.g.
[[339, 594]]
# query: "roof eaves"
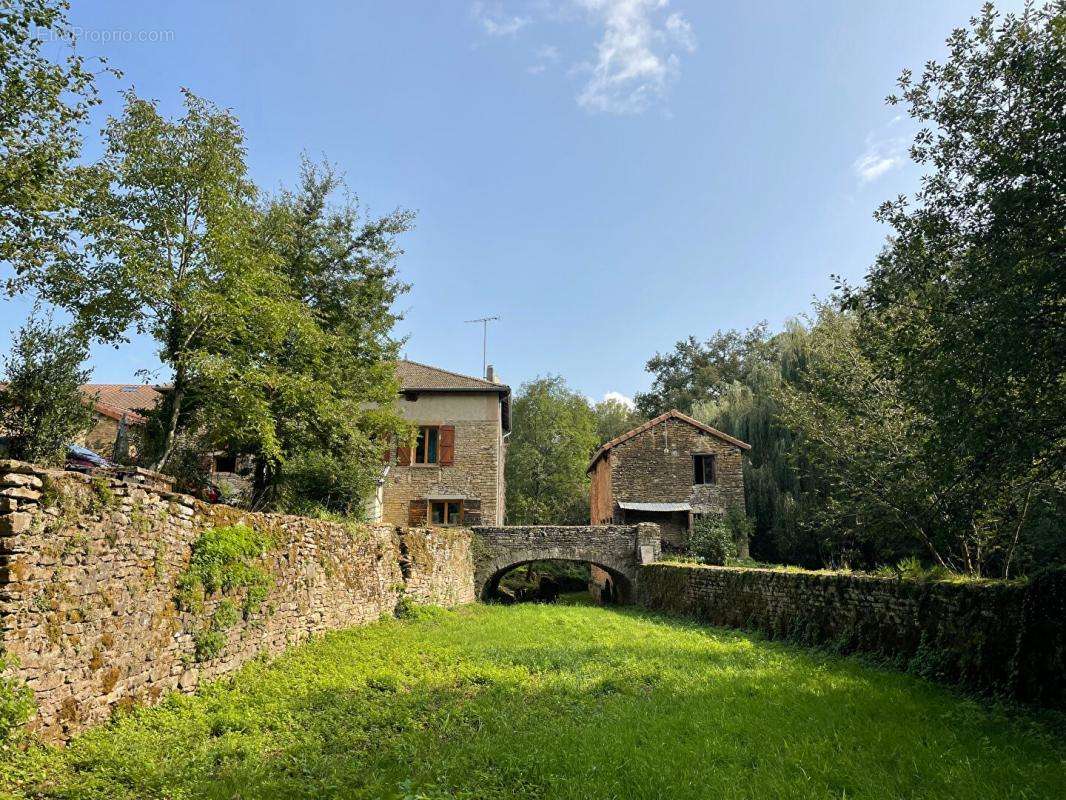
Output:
[[671, 414]]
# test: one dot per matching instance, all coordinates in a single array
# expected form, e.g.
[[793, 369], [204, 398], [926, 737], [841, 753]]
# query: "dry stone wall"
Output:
[[999, 638], [89, 570]]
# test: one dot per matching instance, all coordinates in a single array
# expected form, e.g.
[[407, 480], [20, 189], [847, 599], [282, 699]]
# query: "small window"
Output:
[[427, 445], [446, 512], [704, 471], [225, 463]]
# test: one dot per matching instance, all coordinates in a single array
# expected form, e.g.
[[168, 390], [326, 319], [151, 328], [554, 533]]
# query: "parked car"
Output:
[[82, 459]]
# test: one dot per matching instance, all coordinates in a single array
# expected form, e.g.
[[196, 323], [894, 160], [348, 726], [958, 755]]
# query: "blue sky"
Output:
[[607, 176]]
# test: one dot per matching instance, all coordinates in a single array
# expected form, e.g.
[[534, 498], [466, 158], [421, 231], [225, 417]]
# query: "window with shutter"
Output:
[[427, 445], [445, 512]]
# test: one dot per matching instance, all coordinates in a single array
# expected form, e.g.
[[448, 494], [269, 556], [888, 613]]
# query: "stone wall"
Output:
[[88, 579], [476, 474], [655, 466], [999, 638]]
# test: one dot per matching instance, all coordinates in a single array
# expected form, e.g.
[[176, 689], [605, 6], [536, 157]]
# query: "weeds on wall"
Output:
[[222, 562], [16, 699]]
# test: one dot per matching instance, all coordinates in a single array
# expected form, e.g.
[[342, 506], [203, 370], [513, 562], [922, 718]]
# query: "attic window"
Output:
[[704, 470]]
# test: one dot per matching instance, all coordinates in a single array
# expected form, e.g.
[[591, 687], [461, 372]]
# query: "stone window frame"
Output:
[[699, 467]]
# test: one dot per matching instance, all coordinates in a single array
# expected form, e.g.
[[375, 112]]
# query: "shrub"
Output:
[[741, 526], [16, 700], [220, 562], [314, 482], [712, 540]]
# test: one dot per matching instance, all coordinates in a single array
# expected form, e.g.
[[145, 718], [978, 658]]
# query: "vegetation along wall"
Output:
[[112, 593], [994, 637]]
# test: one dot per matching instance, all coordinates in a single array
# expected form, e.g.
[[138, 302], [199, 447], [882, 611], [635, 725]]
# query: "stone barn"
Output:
[[670, 471]]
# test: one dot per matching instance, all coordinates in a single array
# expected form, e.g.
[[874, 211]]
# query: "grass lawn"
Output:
[[564, 701]]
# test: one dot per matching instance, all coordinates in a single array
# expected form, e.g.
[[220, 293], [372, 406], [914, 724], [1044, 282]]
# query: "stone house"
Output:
[[670, 471], [113, 402], [452, 472]]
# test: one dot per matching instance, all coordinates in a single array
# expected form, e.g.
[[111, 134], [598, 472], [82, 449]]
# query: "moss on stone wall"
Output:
[[996, 638]]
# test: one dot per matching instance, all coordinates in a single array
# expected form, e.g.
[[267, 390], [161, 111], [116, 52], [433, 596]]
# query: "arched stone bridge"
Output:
[[617, 549]]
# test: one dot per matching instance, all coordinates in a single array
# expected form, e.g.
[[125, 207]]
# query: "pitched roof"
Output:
[[421, 377], [671, 414], [116, 400]]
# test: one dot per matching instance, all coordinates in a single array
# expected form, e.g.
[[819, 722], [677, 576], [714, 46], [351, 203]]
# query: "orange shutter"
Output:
[[416, 515], [471, 512], [446, 445], [403, 456]]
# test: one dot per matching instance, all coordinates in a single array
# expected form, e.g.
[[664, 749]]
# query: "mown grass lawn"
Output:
[[556, 702]]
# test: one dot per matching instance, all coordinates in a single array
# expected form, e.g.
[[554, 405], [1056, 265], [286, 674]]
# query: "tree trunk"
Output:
[[170, 436]]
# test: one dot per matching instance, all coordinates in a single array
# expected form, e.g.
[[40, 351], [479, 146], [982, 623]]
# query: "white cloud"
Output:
[[871, 165], [638, 51], [883, 153], [620, 398], [545, 55], [636, 57], [494, 22]]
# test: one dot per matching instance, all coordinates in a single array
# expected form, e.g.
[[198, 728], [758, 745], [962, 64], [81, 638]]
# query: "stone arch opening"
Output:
[[617, 584]]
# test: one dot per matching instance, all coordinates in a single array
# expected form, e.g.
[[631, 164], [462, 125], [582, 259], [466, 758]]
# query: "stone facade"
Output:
[[615, 550], [475, 474], [88, 576], [1002, 638], [654, 464]]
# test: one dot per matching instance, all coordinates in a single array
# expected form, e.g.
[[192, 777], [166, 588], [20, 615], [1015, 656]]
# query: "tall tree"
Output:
[[613, 418], [341, 265], [42, 407], [166, 223], [965, 309], [553, 437], [781, 486], [698, 370], [43, 103]]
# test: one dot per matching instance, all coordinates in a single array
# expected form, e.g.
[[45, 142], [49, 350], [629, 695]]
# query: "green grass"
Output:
[[567, 701]]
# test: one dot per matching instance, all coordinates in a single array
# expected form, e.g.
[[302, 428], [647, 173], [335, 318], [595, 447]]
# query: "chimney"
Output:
[[490, 374]]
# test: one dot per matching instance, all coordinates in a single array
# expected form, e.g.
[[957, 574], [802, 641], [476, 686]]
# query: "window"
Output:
[[225, 462], [427, 445], [445, 512], [704, 471]]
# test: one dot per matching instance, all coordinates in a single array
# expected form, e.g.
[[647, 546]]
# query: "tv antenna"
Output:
[[484, 340]]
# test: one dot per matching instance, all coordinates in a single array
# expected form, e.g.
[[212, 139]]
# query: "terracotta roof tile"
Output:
[[116, 399], [414, 376]]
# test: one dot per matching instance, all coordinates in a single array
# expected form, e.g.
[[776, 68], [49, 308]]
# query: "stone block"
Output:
[[16, 522], [21, 492], [20, 479]]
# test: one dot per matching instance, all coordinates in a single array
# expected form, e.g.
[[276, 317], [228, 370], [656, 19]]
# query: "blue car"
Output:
[[81, 458]]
